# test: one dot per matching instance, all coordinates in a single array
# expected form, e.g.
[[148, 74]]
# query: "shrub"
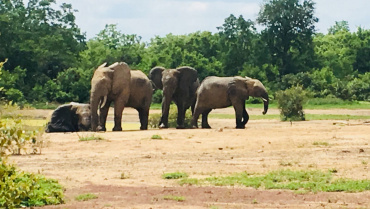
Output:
[[290, 103], [157, 96], [20, 189], [172, 118]]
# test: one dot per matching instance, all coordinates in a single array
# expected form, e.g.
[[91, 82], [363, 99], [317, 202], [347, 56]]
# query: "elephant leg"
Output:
[[163, 123], [238, 107], [245, 116], [205, 118], [118, 109], [103, 116], [180, 115], [143, 115], [194, 120]]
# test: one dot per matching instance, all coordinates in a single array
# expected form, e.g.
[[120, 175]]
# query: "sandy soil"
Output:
[[265, 145]]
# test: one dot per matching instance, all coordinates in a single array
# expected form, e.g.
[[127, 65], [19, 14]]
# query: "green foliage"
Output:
[[14, 138], [86, 197], [20, 189], [176, 175], [154, 119], [290, 103], [157, 96]]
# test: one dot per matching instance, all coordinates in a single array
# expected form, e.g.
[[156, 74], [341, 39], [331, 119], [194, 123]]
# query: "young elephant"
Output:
[[220, 92], [71, 117]]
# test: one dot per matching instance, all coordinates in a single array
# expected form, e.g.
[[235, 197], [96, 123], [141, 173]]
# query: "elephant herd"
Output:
[[124, 87]]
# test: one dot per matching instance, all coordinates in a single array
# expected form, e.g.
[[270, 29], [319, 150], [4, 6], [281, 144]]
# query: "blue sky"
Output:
[[148, 18]]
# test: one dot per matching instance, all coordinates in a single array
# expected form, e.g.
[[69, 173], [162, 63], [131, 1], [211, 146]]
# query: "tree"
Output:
[[288, 34], [39, 38], [339, 26], [237, 37]]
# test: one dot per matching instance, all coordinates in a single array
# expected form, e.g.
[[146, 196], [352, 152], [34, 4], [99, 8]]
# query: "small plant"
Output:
[[91, 137], [14, 138], [176, 175], [317, 143], [364, 162], [254, 201], [124, 176], [285, 163], [290, 103], [156, 137], [175, 198], [85, 197]]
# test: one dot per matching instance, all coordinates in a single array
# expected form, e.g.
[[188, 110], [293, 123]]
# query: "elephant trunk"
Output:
[[265, 99], [94, 113]]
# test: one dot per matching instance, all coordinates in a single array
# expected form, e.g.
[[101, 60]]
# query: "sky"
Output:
[[148, 18]]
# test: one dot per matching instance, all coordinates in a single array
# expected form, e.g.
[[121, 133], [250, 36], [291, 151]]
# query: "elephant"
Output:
[[220, 92], [109, 84], [140, 98], [70, 117], [141, 92], [178, 85]]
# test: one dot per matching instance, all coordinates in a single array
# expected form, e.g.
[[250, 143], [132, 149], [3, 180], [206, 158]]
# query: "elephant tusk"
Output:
[[265, 100], [104, 101]]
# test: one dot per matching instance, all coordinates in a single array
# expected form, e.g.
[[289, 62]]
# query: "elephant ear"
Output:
[[187, 76], [121, 77], [240, 87], [155, 75]]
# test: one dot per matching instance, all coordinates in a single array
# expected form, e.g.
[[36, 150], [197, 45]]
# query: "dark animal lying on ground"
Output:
[[70, 117]]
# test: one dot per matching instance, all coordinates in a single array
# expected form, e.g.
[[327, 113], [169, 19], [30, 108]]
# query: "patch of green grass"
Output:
[[313, 181], [189, 181], [335, 103], [156, 137], [176, 175], [91, 137], [319, 143], [308, 117], [85, 197], [175, 198]]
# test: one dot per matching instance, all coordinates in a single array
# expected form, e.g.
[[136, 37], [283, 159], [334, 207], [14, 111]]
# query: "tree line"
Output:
[[49, 59]]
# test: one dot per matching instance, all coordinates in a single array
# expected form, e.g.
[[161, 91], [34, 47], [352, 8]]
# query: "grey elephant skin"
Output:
[[220, 92], [109, 84], [139, 96], [71, 117], [178, 85]]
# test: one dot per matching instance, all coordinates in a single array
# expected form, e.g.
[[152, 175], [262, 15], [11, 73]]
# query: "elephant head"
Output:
[[70, 118], [109, 84], [251, 87]]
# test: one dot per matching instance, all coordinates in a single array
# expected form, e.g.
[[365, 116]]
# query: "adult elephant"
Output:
[[141, 92], [70, 117], [109, 84], [220, 92], [178, 85]]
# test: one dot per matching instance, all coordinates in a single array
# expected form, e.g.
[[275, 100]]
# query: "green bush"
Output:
[[157, 97], [172, 118], [20, 189], [290, 103]]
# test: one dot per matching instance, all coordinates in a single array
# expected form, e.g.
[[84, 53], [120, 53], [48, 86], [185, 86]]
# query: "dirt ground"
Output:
[[125, 170]]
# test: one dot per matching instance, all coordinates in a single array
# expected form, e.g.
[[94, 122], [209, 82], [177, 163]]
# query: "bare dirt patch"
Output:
[[125, 170]]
